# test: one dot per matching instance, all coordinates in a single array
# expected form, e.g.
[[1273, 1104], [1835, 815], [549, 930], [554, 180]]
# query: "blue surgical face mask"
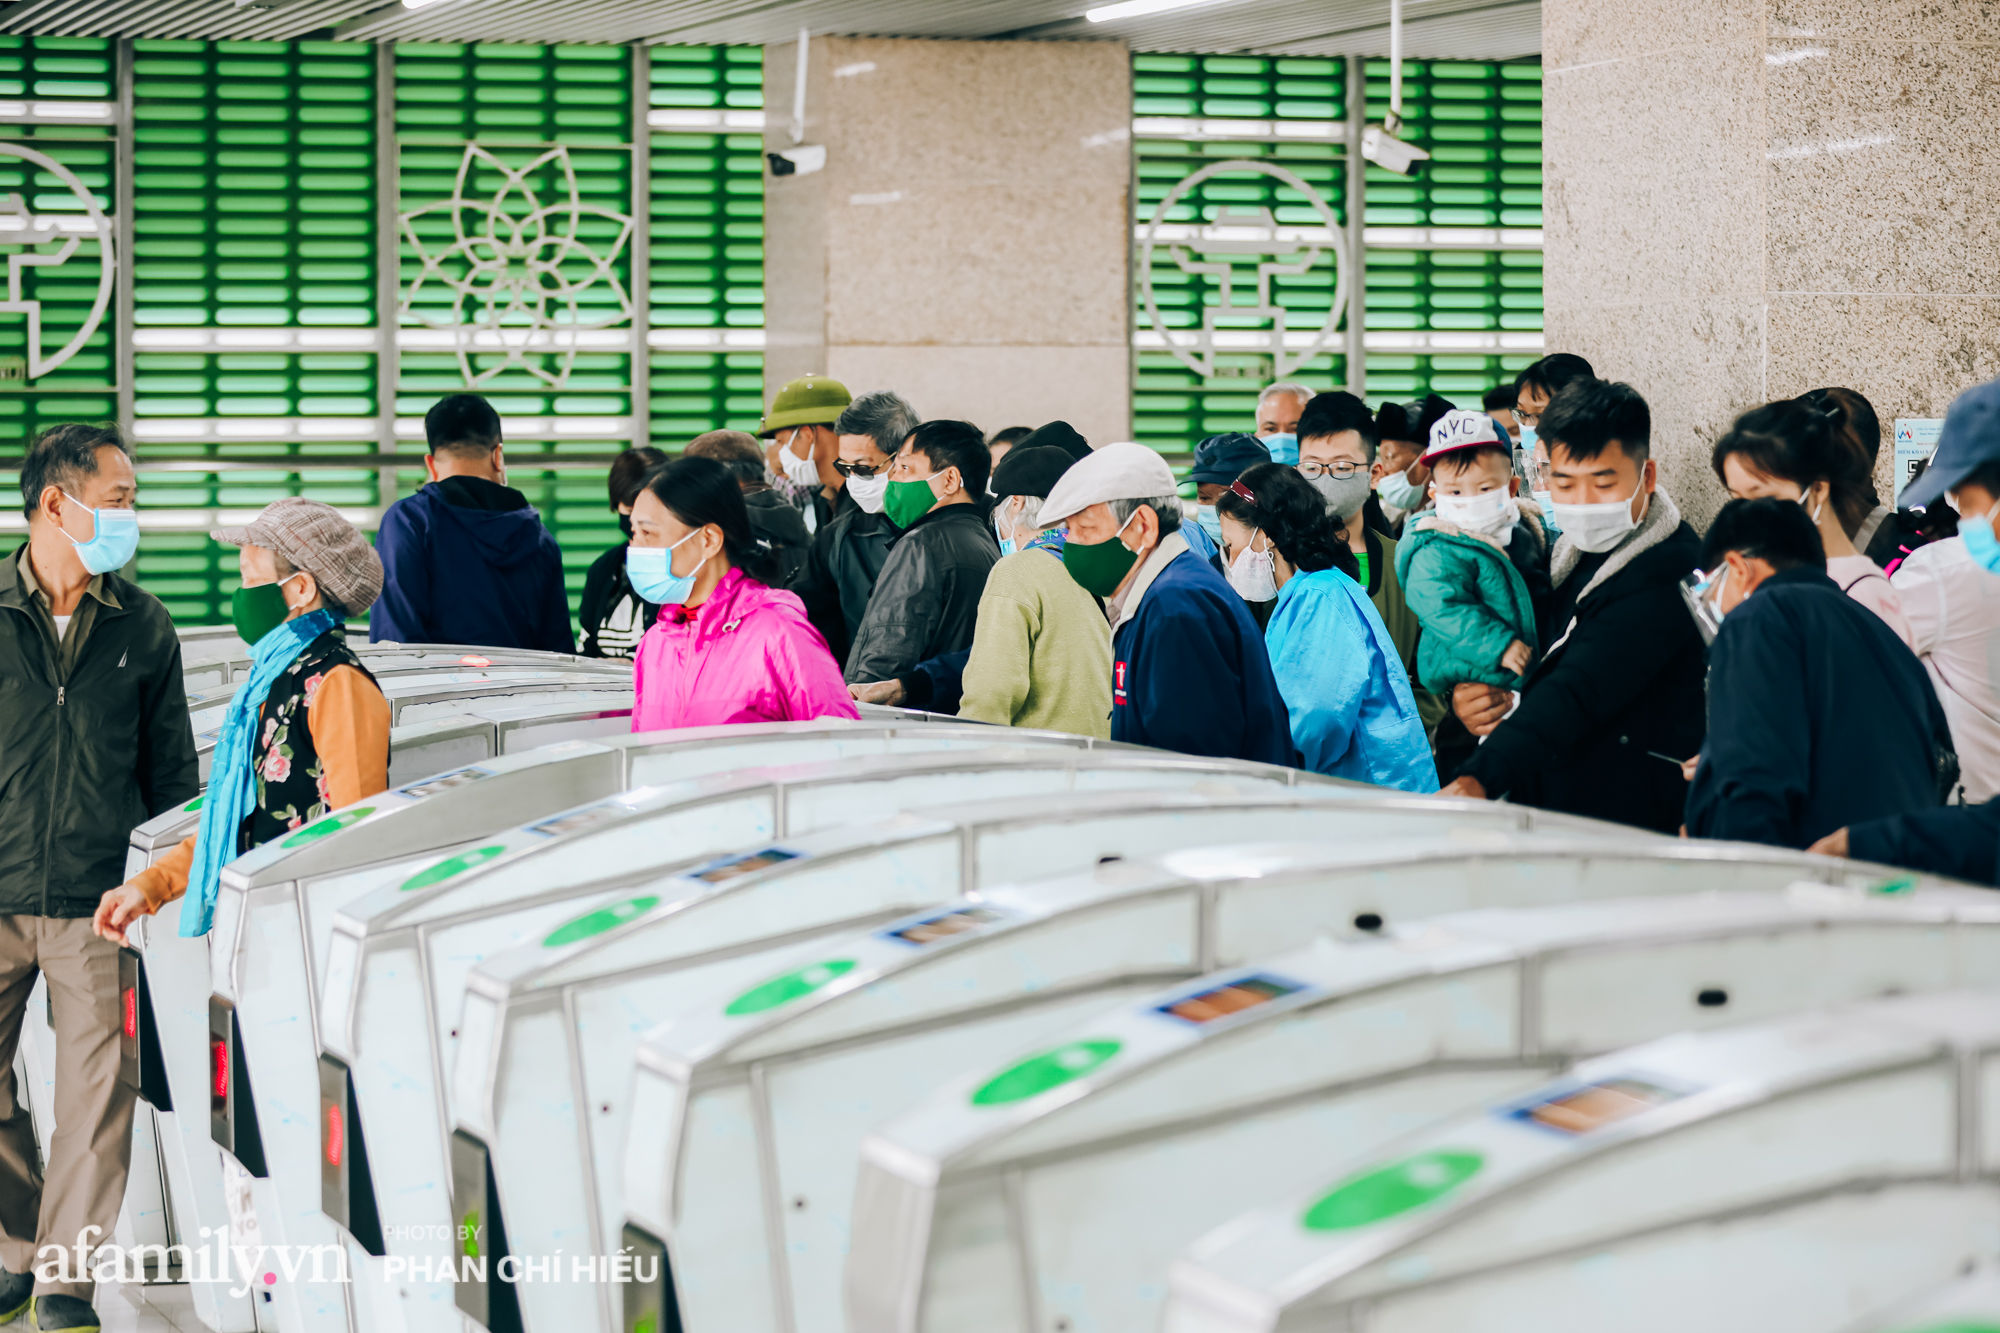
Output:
[[1284, 448], [1980, 543], [1528, 437], [650, 571], [1210, 522], [1399, 492], [115, 536]]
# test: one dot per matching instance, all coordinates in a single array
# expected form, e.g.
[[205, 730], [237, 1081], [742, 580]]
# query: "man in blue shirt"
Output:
[[466, 559], [1189, 670]]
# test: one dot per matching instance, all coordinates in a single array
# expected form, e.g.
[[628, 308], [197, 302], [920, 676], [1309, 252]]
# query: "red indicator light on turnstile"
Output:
[[218, 1051], [131, 1011], [336, 1136], [474, 659]]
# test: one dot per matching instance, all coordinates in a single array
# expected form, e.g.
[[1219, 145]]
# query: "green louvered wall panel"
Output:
[[1482, 125], [253, 210], [57, 70]]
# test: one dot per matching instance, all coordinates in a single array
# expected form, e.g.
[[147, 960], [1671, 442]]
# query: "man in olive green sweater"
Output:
[[1041, 651]]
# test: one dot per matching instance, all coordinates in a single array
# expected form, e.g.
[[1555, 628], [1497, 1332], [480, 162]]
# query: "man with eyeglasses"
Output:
[[849, 550], [1337, 447]]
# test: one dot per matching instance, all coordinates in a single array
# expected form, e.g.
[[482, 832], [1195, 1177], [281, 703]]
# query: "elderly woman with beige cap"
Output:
[[308, 732]]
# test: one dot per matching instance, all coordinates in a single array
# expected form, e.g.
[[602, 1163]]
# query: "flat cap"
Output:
[[314, 537]]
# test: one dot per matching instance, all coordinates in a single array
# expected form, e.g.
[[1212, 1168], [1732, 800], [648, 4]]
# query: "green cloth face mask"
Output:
[[1101, 568], [259, 610], [908, 501]]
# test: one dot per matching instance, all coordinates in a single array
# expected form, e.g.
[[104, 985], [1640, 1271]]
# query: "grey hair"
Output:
[[1304, 393], [334, 605], [1166, 508], [883, 417]]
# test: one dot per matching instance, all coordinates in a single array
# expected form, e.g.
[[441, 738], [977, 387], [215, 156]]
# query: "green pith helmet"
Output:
[[810, 400]]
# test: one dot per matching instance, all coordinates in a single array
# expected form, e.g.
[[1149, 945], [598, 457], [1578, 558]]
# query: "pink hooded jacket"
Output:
[[748, 655]]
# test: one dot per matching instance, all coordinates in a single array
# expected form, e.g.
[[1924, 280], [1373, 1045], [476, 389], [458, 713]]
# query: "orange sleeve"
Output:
[[349, 721], [167, 878]]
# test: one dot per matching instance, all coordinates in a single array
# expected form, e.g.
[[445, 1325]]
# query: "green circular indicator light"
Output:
[[193, 805], [1051, 1069], [1393, 1190], [453, 865], [603, 919], [331, 824], [646, 1323], [468, 1230], [783, 990]]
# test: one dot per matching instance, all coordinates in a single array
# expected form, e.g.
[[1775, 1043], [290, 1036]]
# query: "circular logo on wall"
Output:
[[1242, 249], [51, 229]]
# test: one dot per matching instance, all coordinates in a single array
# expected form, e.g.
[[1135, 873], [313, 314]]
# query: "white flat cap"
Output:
[[1124, 471]]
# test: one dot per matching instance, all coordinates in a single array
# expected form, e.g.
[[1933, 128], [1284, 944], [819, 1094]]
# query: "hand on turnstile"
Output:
[[120, 908], [888, 692], [1833, 844]]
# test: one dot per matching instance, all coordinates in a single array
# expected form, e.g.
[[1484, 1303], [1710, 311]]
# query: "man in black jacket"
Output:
[[1818, 714], [774, 521], [926, 600], [1621, 677], [849, 551], [94, 738]]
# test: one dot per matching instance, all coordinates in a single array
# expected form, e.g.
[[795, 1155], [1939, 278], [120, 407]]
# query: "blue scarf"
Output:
[[231, 774], [1050, 541]]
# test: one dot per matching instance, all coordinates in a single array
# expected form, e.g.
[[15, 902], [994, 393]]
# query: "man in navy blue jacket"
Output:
[[466, 558], [1819, 716], [1188, 667]]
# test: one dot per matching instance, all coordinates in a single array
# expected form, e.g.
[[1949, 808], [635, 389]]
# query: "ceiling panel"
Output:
[[1433, 28]]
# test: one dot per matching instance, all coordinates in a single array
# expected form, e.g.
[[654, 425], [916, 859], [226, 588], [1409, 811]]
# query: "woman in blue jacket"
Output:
[[1348, 696]]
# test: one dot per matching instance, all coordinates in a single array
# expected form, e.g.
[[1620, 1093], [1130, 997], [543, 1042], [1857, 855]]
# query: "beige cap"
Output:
[[314, 537], [1125, 471]]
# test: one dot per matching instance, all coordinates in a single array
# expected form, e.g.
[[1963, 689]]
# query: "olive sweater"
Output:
[[1041, 650]]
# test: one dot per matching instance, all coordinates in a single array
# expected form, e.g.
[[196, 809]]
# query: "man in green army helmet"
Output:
[[804, 445]]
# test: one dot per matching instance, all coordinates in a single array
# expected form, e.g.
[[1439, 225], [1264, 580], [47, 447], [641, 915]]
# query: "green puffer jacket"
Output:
[[87, 755], [1471, 596]]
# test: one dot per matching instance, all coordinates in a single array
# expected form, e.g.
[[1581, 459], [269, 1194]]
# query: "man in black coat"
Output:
[[926, 599], [1621, 677], [1818, 714]]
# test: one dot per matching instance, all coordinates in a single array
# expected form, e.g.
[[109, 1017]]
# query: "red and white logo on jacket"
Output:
[[1117, 683]]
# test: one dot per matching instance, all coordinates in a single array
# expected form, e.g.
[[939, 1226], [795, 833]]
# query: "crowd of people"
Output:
[[1494, 603]]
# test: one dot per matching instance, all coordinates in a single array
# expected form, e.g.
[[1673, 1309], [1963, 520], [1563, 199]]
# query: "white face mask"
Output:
[[1253, 574], [801, 471], [1596, 528], [1491, 512], [867, 491]]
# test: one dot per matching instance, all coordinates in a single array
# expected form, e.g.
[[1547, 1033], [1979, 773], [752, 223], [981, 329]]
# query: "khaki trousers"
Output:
[[92, 1146]]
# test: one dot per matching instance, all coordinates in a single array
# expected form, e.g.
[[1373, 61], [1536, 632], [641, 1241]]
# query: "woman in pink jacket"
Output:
[[727, 646]]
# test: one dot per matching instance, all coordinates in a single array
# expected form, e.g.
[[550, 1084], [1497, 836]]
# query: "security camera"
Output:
[[1388, 152], [800, 161]]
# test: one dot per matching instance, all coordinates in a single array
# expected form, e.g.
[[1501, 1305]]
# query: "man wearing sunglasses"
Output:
[[849, 550]]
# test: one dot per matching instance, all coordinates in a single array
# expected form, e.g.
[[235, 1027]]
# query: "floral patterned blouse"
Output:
[[291, 780]]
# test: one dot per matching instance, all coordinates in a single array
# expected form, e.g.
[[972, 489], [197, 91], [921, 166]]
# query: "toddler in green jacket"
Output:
[[1467, 565]]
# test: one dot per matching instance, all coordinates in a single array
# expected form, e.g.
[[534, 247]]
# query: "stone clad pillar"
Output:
[[968, 241], [1747, 199]]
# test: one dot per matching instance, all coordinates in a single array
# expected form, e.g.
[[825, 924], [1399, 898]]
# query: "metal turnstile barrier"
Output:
[[636, 954], [1110, 1146], [273, 927], [1792, 1174]]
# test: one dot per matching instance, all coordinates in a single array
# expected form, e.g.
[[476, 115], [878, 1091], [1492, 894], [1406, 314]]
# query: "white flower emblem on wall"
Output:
[[515, 266]]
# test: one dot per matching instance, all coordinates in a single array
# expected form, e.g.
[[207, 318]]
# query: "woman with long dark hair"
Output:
[[1352, 712], [727, 646], [1791, 451]]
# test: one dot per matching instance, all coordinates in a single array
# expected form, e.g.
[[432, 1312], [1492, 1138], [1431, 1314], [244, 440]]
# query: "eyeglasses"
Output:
[[847, 469], [1340, 471]]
